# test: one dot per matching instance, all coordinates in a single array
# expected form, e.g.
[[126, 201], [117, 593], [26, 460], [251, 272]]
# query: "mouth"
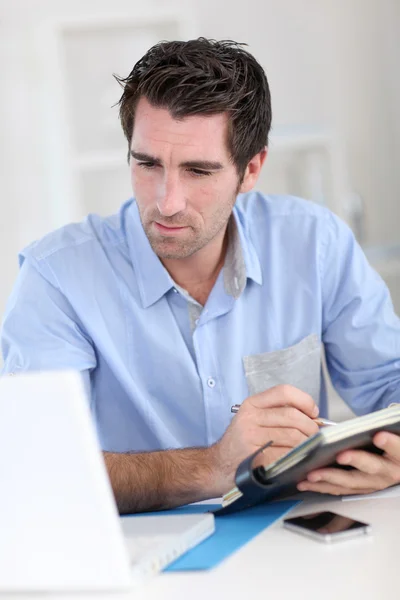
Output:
[[168, 230]]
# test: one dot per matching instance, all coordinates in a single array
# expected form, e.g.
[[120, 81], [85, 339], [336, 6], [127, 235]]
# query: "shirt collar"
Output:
[[154, 280], [250, 256]]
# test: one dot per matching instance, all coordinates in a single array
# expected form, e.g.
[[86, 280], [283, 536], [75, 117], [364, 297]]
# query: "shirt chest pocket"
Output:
[[298, 365]]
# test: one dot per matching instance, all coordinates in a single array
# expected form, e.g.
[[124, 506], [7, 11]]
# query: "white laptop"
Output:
[[59, 525]]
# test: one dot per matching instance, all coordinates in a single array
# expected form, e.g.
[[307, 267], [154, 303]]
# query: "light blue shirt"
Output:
[[94, 297]]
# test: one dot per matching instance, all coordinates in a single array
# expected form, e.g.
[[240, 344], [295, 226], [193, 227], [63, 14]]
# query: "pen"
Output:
[[319, 420]]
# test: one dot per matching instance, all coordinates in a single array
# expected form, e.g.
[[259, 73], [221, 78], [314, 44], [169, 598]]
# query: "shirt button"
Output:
[[211, 382], [175, 290]]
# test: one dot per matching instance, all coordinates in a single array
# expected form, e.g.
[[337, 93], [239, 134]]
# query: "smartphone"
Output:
[[327, 526]]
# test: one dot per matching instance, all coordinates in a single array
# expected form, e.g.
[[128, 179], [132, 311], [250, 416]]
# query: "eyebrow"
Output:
[[205, 165]]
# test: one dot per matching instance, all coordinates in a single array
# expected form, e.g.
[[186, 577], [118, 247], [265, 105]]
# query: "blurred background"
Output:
[[334, 73]]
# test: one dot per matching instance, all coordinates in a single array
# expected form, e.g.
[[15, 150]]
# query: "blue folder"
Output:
[[231, 532]]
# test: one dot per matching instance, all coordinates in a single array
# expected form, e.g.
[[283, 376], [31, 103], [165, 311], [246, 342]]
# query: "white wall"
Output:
[[331, 64]]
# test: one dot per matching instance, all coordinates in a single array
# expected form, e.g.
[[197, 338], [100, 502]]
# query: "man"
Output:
[[200, 294]]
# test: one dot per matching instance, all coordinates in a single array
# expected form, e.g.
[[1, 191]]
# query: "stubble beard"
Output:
[[171, 247], [174, 248]]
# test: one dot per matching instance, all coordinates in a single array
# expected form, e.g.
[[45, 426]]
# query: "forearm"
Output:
[[157, 480]]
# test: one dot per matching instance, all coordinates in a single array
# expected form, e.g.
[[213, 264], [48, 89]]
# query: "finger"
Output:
[[366, 462], [390, 443], [329, 488], [284, 417], [351, 480], [286, 395]]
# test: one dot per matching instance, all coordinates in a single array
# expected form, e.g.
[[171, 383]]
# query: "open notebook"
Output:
[[280, 478]]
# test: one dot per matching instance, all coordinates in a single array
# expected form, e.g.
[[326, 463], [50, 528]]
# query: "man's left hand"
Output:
[[372, 472]]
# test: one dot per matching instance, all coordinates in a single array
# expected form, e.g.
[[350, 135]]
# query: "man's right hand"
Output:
[[283, 415], [168, 478]]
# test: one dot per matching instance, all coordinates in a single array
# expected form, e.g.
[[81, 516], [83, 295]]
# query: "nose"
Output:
[[172, 199]]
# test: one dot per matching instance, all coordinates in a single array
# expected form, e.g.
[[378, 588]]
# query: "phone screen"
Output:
[[326, 523]]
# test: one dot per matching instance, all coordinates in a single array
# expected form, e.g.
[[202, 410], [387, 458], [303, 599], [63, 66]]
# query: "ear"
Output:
[[253, 170]]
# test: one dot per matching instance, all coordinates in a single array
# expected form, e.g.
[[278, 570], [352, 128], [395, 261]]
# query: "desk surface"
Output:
[[291, 566]]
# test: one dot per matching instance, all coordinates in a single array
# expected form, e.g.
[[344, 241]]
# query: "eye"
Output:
[[200, 173], [147, 165]]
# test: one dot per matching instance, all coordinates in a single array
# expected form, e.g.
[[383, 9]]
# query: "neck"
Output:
[[198, 273]]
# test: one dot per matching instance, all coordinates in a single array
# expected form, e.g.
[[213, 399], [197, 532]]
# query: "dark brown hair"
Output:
[[204, 77]]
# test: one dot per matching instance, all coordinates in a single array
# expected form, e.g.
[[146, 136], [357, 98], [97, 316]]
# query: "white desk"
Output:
[[280, 565]]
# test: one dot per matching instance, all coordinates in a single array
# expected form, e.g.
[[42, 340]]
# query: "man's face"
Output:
[[183, 179]]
